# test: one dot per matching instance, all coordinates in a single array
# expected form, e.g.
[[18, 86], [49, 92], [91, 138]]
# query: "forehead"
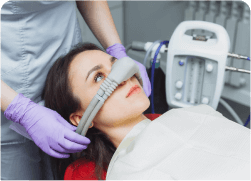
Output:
[[88, 59], [84, 61], [91, 57]]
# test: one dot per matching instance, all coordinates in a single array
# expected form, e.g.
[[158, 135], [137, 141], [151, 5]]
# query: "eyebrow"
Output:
[[100, 66]]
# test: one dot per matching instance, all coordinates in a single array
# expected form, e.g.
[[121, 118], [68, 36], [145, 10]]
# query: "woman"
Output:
[[120, 125], [66, 97]]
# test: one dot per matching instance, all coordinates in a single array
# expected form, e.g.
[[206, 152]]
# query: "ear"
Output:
[[91, 125], [76, 117]]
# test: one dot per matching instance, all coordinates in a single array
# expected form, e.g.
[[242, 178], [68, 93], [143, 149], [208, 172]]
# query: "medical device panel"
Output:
[[196, 65]]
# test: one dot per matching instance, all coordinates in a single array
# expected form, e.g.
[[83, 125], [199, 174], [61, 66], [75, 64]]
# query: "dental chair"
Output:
[[152, 116]]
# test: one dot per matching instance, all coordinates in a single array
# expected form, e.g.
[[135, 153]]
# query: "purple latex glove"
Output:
[[118, 50], [50, 132]]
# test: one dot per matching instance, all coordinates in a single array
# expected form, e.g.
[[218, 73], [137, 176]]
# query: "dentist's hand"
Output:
[[52, 133], [118, 50]]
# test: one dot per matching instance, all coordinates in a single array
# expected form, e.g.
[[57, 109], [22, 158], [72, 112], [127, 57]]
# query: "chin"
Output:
[[141, 105]]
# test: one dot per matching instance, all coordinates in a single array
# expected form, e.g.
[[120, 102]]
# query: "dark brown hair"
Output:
[[58, 96]]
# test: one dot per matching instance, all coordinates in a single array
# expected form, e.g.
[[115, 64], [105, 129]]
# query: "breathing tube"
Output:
[[153, 115], [152, 74], [248, 120]]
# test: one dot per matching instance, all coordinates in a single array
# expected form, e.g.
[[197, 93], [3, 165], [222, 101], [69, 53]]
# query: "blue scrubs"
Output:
[[33, 34]]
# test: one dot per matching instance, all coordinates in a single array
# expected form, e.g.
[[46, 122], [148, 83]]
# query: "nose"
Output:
[[124, 82]]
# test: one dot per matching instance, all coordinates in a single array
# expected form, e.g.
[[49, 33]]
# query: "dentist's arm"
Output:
[[98, 17], [52, 133], [7, 95]]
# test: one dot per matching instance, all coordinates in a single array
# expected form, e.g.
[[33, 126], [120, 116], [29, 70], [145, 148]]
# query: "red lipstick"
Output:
[[134, 90]]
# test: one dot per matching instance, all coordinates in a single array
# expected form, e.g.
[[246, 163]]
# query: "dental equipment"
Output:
[[156, 47], [196, 67]]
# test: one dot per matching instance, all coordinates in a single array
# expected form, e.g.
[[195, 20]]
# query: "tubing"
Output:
[[248, 120], [149, 50]]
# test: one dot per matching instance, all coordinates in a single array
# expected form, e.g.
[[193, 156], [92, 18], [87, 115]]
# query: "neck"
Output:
[[117, 134]]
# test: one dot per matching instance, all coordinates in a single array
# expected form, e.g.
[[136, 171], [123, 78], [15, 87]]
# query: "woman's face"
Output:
[[87, 72]]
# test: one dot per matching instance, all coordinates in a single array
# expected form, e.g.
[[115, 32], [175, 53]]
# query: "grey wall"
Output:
[[116, 8], [149, 21]]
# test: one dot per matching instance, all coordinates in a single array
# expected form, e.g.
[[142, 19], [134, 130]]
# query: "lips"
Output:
[[134, 90]]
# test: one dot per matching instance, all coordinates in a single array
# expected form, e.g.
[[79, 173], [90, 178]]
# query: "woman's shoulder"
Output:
[[81, 169]]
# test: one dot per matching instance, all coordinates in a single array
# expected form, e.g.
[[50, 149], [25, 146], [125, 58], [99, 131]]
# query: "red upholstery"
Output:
[[152, 116], [84, 170]]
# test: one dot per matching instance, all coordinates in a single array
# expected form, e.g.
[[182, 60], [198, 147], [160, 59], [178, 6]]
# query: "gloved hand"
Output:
[[118, 50], [50, 132]]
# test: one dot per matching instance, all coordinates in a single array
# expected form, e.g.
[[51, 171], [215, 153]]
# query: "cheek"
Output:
[[111, 108], [87, 95], [117, 109], [111, 111]]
